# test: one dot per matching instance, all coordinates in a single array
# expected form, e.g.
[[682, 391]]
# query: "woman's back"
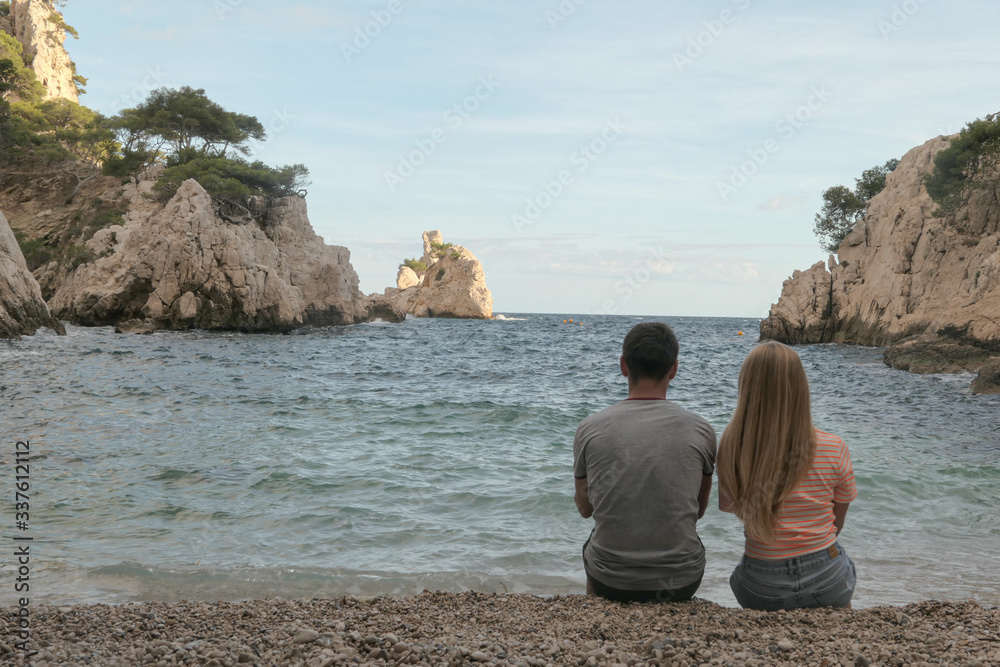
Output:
[[805, 521]]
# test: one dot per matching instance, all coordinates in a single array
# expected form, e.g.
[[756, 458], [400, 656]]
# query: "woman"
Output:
[[790, 484]]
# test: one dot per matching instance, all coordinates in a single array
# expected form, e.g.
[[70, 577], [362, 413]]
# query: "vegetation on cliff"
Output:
[[970, 163], [194, 137], [415, 265], [183, 130], [843, 208]]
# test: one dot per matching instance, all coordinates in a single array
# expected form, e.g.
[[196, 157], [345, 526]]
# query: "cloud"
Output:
[[780, 203]]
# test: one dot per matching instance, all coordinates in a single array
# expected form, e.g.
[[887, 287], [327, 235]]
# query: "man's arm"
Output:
[[703, 494], [839, 515], [583, 498]]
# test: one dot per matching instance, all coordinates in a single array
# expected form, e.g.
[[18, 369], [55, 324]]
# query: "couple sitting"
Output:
[[644, 468]]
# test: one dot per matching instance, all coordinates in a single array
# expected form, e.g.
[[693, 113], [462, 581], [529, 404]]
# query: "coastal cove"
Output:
[[436, 454]]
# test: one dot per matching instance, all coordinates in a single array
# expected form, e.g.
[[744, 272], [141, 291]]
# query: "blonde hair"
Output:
[[769, 446]]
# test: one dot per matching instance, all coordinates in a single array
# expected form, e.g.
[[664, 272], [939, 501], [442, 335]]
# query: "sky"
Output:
[[645, 157]]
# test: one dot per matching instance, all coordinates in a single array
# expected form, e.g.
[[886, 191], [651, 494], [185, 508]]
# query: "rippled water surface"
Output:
[[435, 454]]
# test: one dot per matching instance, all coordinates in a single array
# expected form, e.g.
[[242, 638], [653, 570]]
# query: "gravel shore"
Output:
[[475, 628]]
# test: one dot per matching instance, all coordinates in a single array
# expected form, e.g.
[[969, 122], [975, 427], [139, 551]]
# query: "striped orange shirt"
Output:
[[805, 520]]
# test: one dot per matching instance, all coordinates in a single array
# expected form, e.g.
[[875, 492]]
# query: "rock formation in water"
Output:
[[31, 22], [452, 286], [22, 310], [927, 285], [181, 266]]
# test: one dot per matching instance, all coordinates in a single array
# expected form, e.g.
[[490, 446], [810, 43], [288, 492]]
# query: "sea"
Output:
[[386, 459]]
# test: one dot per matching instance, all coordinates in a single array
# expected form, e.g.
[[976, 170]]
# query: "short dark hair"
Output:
[[650, 350]]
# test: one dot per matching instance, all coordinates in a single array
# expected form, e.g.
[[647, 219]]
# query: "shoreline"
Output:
[[514, 629]]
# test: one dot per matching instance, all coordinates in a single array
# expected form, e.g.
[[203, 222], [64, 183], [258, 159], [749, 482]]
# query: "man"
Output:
[[643, 470]]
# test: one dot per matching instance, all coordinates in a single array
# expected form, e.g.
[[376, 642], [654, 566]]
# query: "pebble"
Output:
[[452, 629], [305, 636]]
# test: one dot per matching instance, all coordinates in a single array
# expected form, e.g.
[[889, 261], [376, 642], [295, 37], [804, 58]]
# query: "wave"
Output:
[[130, 581]]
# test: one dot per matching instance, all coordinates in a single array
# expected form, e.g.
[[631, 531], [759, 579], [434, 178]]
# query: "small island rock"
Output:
[[453, 286]]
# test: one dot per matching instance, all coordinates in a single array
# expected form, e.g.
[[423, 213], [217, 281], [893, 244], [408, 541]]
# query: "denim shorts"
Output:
[[821, 579]]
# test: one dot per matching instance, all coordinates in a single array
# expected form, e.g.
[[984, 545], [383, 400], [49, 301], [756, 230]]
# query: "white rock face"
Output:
[[406, 278], [43, 41], [430, 238], [22, 310], [454, 285], [180, 267], [906, 275], [802, 314]]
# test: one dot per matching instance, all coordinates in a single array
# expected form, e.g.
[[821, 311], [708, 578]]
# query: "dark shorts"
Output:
[[618, 595], [821, 579]]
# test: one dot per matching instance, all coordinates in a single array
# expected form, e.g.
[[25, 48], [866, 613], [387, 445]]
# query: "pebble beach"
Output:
[[489, 629]]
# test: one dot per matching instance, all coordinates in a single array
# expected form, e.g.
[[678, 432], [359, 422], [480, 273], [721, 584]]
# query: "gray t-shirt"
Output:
[[644, 462]]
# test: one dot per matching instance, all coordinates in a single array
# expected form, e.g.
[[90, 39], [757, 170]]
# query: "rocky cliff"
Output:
[[452, 286], [928, 286], [31, 23], [181, 266], [22, 310]]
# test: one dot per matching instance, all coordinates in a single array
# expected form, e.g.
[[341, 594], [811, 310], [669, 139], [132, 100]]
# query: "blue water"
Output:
[[434, 454]]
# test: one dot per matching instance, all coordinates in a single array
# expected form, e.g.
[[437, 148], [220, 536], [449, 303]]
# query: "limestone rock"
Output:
[[181, 267], [933, 355], [454, 285], [406, 278], [988, 381], [802, 313], [431, 238], [43, 43], [906, 275], [384, 309], [22, 310]]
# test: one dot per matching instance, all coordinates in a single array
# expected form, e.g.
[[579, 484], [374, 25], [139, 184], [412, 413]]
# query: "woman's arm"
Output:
[[839, 515]]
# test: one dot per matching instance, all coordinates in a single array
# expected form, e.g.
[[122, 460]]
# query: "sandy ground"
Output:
[[475, 628]]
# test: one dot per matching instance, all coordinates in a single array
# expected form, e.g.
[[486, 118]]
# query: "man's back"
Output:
[[644, 461]]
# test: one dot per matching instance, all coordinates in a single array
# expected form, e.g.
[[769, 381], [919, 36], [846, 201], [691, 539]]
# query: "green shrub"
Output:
[[36, 252], [440, 274], [111, 216], [78, 255], [969, 163], [5, 8], [843, 208], [234, 178], [415, 264], [55, 18], [439, 250]]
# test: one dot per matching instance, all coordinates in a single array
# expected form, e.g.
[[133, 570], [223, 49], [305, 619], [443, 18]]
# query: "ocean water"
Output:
[[386, 459]]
